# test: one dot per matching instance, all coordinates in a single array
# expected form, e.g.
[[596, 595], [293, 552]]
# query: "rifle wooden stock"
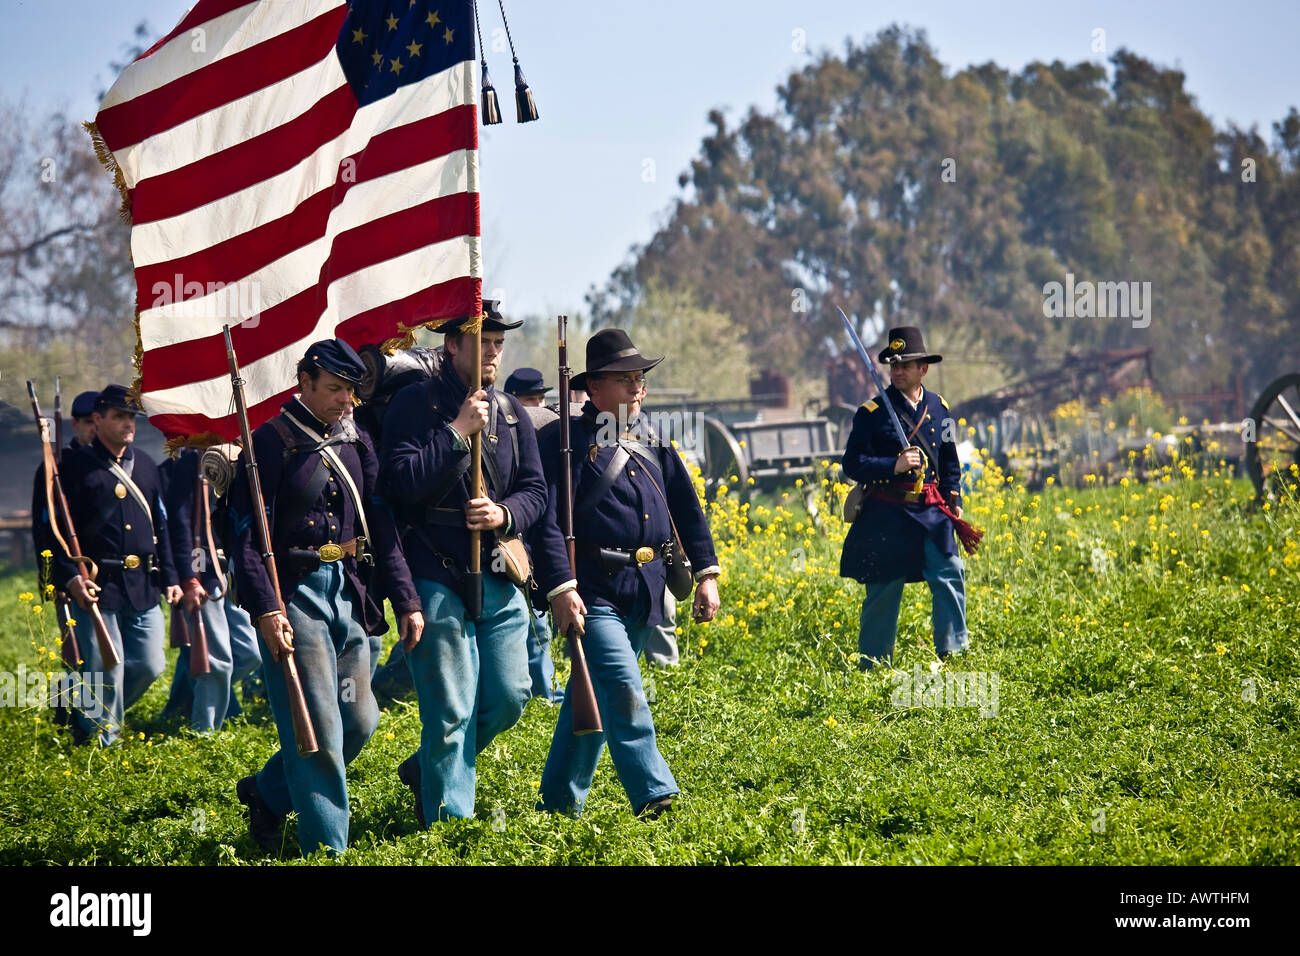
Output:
[[71, 547], [303, 732], [199, 663], [180, 629], [586, 714]]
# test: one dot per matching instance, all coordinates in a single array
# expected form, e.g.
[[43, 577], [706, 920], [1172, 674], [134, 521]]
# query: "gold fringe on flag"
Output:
[[200, 441], [137, 359], [406, 338], [108, 162]]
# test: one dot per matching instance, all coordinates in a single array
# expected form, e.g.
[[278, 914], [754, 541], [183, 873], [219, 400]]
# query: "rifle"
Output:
[[586, 715], [58, 421], [880, 387], [71, 649], [85, 567], [180, 629], [199, 663], [303, 732]]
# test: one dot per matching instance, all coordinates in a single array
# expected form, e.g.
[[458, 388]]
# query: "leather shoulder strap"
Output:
[[597, 491]]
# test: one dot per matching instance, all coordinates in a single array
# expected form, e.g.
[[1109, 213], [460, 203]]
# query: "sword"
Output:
[[880, 385]]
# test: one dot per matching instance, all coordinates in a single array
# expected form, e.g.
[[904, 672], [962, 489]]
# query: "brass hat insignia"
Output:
[[897, 345]]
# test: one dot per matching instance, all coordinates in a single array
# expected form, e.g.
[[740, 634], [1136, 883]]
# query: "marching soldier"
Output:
[[905, 533], [528, 385], [115, 495], [319, 482], [232, 648], [471, 676], [630, 503]]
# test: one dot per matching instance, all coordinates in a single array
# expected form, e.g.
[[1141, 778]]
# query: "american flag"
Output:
[[297, 169]]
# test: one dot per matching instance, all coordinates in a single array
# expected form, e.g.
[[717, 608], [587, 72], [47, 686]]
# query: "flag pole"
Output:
[[473, 596]]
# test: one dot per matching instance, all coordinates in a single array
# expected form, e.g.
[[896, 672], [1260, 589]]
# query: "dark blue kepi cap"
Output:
[[526, 381], [338, 358], [83, 406], [116, 396]]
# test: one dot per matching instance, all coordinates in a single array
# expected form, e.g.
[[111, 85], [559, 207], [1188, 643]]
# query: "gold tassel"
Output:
[[406, 337], [203, 440], [106, 160]]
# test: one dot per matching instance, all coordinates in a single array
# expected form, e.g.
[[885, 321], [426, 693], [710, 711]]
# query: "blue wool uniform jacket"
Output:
[[887, 541], [631, 515], [89, 487], [180, 514], [419, 449], [331, 519]]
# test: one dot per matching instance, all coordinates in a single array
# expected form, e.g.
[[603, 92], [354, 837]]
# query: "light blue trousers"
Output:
[[332, 654], [471, 679], [878, 626], [611, 644], [138, 637], [233, 654]]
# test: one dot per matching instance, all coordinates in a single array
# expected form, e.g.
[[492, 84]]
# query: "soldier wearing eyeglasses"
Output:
[[632, 497]]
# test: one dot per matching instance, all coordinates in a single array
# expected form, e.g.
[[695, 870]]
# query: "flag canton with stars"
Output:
[[385, 44]]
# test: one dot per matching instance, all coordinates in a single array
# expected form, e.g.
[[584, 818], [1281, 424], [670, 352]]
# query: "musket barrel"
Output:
[[303, 731]]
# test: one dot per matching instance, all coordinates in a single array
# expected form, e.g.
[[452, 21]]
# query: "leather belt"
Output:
[[327, 553], [127, 562], [624, 557]]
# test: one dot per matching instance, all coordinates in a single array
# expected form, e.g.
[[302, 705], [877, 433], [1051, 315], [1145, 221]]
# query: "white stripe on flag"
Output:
[[273, 198], [223, 36], [231, 124], [272, 374], [171, 321]]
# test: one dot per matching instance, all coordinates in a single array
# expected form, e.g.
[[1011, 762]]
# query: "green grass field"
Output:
[[1142, 638]]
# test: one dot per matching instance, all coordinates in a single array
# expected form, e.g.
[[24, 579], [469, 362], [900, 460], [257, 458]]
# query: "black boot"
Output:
[[408, 771], [263, 824]]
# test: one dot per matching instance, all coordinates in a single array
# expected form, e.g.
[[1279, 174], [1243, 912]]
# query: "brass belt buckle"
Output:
[[131, 562], [644, 556], [330, 552]]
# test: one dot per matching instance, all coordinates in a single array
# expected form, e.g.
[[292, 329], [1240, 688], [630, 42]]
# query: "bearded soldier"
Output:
[[470, 673]]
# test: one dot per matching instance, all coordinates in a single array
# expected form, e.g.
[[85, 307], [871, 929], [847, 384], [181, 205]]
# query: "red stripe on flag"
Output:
[[228, 425], [438, 220], [242, 255], [203, 11], [245, 164], [456, 297], [222, 82]]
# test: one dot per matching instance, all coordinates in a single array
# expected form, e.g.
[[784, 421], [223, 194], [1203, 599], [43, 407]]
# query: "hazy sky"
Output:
[[623, 89]]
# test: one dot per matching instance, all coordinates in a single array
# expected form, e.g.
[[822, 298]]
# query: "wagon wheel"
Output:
[[1276, 423], [722, 457], [841, 419]]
